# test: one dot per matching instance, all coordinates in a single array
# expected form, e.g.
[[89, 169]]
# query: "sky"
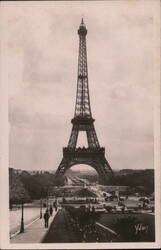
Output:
[[40, 47]]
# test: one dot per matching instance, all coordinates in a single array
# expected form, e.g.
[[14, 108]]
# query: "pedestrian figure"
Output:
[[46, 218], [123, 209], [44, 204], [51, 210], [93, 209], [55, 205]]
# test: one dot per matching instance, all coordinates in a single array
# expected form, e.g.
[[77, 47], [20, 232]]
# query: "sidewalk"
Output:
[[34, 233]]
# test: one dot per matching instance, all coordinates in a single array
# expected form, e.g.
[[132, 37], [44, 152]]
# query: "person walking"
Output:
[[51, 210], [55, 205], [46, 218]]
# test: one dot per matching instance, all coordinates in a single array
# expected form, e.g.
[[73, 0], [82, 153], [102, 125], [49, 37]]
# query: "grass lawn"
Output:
[[126, 225]]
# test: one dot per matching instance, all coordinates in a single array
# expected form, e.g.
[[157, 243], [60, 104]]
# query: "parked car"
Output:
[[100, 208]]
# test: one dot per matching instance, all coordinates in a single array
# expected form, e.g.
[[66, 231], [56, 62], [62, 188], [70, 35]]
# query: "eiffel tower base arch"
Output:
[[92, 157]]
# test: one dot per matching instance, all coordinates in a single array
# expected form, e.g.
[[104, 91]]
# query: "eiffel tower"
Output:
[[93, 155]]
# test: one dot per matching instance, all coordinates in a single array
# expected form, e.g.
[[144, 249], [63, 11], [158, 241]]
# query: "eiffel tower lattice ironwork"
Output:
[[93, 155]]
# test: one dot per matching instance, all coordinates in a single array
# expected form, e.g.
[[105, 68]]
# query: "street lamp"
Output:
[[47, 197], [22, 219], [41, 208]]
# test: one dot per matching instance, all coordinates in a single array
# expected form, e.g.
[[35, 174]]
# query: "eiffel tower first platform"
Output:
[[93, 155]]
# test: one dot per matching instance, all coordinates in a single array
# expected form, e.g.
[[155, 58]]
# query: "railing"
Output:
[[71, 152]]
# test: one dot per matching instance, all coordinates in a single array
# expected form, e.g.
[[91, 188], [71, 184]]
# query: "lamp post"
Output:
[[41, 208], [117, 195], [47, 197], [22, 219]]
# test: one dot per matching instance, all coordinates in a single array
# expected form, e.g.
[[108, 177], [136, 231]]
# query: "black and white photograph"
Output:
[[80, 159]]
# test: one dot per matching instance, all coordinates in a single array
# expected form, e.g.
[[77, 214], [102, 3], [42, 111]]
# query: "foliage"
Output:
[[135, 179], [18, 193], [27, 185]]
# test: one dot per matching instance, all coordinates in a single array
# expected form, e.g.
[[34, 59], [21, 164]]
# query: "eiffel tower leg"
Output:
[[92, 137], [74, 136], [104, 171], [63, 166]]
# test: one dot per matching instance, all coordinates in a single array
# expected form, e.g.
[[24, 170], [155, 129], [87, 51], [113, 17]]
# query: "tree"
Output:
[[18, 193]]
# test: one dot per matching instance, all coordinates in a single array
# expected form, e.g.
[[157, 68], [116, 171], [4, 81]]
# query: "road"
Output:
[[83, 182], [30, 213]]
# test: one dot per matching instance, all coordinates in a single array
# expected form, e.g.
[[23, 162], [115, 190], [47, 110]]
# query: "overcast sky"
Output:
[[41, 53]]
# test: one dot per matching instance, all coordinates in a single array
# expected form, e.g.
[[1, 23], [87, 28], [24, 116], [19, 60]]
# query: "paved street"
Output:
[[34, 233], [30, 214]]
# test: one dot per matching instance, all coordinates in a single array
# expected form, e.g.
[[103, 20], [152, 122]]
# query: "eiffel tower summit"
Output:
[[93, 155]]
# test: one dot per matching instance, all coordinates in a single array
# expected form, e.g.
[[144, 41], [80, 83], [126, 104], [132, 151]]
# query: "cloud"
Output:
[[41, 59]]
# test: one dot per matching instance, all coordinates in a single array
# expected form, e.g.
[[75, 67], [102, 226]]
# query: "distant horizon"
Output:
[[54, 170]]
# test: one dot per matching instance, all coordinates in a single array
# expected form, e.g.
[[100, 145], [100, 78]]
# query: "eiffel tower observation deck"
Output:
[[93, 155]]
